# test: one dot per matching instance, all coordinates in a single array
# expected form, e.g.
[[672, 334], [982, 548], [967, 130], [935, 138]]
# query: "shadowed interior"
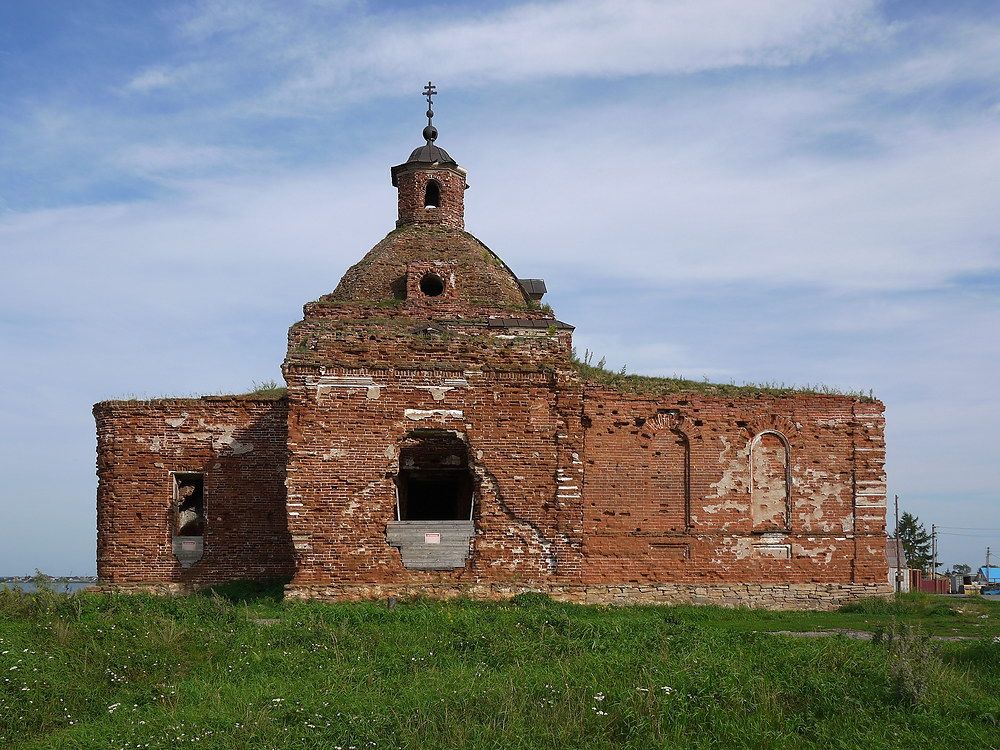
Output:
[[434, 480]]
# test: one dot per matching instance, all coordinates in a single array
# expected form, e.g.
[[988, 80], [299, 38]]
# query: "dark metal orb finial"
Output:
[[430, 132], [429, 152]]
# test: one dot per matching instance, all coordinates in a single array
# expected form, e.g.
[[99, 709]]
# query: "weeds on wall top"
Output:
[[652, 385]]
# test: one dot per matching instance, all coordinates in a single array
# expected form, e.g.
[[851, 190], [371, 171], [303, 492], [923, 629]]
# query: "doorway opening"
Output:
[[435, 482]]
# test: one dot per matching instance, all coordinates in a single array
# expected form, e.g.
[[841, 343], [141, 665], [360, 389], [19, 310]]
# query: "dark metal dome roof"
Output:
[[430, 153]]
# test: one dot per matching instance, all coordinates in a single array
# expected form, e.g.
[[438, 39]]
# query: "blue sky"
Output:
[[779, 191]]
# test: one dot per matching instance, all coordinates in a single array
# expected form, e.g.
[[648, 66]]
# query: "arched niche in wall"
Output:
[[672, 478], [670, 473], [770, 482]]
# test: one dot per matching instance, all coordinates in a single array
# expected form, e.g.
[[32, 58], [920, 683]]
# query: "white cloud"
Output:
[[152, 79], [957, 52], [174, 157], [314, 54], [804, 224], [702, 206]]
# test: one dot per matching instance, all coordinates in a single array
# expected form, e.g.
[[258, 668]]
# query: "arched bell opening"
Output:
[[432, 194]]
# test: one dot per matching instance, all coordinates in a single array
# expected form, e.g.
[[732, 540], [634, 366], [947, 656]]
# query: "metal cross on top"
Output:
[[430, 91]]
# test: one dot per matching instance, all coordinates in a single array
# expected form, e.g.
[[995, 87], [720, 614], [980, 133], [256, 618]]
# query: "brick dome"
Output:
[[482, 279]]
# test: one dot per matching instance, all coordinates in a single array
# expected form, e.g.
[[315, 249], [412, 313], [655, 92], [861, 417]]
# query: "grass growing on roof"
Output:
[[651, 385], [267, 389], [237, 668]]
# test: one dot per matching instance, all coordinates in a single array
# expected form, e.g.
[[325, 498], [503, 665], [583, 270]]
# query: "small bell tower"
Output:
[[431, 185]]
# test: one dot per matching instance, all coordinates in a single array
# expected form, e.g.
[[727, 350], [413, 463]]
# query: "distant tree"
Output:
[[961, 569], [916, 541]]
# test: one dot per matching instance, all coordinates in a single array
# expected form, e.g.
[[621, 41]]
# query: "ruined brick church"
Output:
[[437, 437]]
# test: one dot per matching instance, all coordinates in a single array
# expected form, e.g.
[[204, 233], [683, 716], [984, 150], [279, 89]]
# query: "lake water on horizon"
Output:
[[62, 587]]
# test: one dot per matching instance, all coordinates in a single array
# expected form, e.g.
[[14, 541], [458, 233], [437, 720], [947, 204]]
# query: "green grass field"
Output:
[[240, 669]]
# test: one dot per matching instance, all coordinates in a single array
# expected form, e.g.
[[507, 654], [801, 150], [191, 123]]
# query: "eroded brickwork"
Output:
[[450, 209], [738, 528], [238, 445], [345, 435], [428, 377]]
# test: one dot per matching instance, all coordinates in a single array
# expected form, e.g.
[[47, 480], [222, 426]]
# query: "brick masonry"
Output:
[[412, 183], [578, 490], [240, 447]]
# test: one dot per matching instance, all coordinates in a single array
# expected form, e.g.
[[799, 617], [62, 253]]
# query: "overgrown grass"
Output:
[[656, 386], [268, 390], [935, 615], [237, 668]]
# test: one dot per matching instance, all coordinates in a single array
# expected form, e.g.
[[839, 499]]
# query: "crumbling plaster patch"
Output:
[[816, 493], [732, 482], [417, 415], [350, 382], [222, 437], [740, 546], [734, 470], [822, 553]]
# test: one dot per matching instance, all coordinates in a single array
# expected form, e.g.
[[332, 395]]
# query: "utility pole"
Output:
[[899, 556], [934, 556], [987, 562]]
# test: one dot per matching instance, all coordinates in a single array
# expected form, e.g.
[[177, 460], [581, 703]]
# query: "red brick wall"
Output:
[[344, 440], [651, 490], [584, 491], [238, 444], [575, 485], [631, 493], [412, 182]]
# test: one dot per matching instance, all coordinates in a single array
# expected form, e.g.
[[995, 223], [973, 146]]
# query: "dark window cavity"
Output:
[[189, 502], [434, 482], [431, 284], [432, 195]]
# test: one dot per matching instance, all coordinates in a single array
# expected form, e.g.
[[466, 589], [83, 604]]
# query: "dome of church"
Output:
[[483, 280], [430, 154]]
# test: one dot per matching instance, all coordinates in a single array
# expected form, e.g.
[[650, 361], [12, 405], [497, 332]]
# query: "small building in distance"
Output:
[[899, 567], [437, 436], [987, 575]]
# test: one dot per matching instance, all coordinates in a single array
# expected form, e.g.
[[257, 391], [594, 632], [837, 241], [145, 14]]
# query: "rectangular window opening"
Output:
[[435, 496], [189, 504]]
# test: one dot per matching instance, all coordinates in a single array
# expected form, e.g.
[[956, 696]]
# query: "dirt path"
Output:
[[858, 635]]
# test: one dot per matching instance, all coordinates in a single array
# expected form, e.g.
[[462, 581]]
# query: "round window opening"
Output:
[[431, 285]]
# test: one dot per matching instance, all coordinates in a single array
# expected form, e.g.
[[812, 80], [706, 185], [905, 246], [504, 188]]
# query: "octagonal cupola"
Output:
[[430, 183]]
